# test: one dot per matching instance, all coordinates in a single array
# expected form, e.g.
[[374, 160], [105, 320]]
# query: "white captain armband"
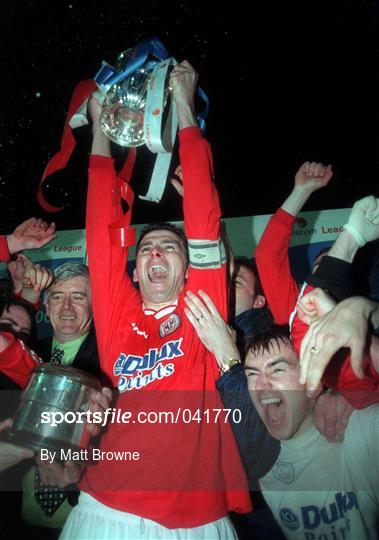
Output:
[[206, 254]]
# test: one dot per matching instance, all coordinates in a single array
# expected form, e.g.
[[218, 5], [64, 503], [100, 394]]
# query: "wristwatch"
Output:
[[229, 364]]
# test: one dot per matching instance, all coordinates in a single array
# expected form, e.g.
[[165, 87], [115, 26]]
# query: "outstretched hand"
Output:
[[211, 328], [31, 234], [345, 326]]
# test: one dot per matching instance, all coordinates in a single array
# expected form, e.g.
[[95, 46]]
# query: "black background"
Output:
[[287, 81]]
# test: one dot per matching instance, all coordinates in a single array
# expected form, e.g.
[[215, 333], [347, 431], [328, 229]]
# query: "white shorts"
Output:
[[91, 520]]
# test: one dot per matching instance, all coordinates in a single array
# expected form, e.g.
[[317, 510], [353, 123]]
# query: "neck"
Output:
[[157, 306], [68, 339]]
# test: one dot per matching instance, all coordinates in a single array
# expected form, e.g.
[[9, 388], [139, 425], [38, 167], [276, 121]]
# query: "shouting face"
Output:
[[161, 268], [279, 398]]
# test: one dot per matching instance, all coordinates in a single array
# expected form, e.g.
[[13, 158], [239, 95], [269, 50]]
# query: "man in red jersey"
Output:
[[188, 475]]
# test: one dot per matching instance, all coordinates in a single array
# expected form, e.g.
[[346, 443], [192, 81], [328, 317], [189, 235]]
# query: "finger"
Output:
[[209, 303], [38, 271], [48, 278], [45, 278], [178, 186], [320, 412], [305, 167], [316, 368], [319, 169], [303, 316], [200, 308], [312, 167], [101, 399], [330, 421], [356, 357], [31, 274], [192, 319], [305, 355]]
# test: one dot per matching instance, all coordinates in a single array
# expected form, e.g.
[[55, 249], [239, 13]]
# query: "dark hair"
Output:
[[7, 303], [163, 226], [252, 266], [260, 343]]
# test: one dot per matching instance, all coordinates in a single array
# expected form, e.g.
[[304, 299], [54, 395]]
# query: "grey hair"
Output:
[[66, 271]]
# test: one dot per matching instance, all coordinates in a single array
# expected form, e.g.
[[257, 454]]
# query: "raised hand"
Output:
[[345, 326], [313, 305], [313, 176], [363, 222], [31, 234], [183, 80]]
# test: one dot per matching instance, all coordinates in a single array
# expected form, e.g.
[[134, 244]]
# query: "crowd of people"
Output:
[[280, 380]]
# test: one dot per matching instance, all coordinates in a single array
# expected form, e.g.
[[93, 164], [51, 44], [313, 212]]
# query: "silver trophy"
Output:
[[53, 392], [123, 108]]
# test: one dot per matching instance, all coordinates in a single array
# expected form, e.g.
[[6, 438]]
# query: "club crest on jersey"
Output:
[[137, 372], [169, 325]]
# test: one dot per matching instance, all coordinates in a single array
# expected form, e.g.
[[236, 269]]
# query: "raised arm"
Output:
[[200, 199], [107, 263], [271, 254]]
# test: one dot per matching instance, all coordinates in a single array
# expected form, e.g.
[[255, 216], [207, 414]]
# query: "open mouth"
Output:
[[157, 273], [273, 408]]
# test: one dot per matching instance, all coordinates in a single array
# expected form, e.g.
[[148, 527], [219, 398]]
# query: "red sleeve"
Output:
[[200, 202], [4, 251], [202, 212], [280, 288], [339, 374], [110, 283], [17, 361]]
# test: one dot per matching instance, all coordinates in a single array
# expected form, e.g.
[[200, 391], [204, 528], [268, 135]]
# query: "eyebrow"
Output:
[[71, 292], [271, 364], [165, 241], [12, 322]]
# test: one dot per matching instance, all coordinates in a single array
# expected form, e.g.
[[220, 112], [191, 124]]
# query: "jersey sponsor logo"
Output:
[[136, 372], [289, 519], [169, 325], [284, 472], [313, 517]]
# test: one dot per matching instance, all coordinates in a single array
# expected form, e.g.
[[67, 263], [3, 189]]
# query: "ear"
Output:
[[47, 308], [187, 272], [260, 301], [135, 277]]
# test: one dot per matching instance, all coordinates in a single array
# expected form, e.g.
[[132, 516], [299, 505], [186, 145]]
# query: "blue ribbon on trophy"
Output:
[[133, 108]]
